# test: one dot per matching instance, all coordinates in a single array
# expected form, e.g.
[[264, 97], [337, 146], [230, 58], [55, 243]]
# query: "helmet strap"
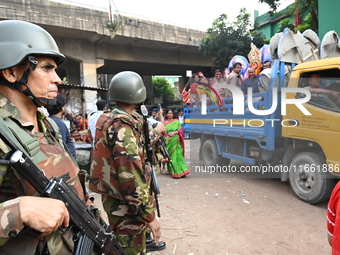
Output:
[[23, 81]]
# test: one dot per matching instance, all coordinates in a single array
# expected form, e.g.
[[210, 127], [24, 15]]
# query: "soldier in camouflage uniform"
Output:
[[118, 170], [28, 81]]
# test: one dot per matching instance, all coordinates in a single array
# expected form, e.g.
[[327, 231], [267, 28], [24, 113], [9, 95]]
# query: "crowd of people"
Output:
[[79, 131], [199, 85], [216, 88], [71, 127]]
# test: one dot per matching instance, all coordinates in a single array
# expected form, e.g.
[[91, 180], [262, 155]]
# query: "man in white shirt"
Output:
[[153, 115], [93, 118]]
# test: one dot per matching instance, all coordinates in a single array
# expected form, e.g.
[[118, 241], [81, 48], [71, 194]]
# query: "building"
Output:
[[329, 19]]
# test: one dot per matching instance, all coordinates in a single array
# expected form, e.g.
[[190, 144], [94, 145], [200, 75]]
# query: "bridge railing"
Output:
[[106, 8]]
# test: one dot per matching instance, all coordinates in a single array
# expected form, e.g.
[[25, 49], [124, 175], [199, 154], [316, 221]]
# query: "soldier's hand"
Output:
[[155, 229], [161, 128], [164, 160], [43, 214]]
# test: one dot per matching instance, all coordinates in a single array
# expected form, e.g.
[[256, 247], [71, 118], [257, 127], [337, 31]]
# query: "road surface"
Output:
[[224, 214]]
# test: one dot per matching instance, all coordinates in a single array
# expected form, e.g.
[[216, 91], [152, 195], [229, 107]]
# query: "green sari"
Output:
[[175, 147]]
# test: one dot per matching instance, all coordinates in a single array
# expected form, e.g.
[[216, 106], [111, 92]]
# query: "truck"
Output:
[[288, 126]]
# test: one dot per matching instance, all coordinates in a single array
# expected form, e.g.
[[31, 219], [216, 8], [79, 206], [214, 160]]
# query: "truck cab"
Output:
[[313, 142]]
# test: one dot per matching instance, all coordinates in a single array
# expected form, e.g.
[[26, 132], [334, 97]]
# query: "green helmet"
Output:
[[127, 87], [20, 39]]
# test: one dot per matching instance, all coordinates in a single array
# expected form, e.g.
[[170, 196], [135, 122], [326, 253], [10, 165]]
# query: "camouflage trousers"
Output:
[[130, 230]]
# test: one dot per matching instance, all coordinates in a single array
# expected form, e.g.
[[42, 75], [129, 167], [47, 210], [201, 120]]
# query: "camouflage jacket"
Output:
[[51, 156], [118, 169]]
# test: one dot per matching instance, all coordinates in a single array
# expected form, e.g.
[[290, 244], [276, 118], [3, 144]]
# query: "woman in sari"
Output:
[[175, 146]]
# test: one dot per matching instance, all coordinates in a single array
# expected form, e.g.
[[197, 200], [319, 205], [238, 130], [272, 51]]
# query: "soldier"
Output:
[[118, 170], [28, 81]]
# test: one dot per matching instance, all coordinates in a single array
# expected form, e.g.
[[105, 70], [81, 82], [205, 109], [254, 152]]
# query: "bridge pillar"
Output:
[[83, 52], [89, 74], [90, 71]]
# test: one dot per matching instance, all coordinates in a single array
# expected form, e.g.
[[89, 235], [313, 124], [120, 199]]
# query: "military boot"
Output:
[[152, 246]]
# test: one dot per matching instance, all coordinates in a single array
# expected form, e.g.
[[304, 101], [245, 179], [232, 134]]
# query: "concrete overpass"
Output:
[[94, 45]]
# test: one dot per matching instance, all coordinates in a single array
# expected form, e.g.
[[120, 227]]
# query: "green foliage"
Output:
[[267, 40], [273, 4], [287, 22], [311, 21], [162, 88], [306, 25], [225, 40], [113, 27]]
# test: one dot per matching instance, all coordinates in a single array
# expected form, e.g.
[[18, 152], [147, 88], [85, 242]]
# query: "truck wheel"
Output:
[[209, 153], [286, 161], [308, 180]]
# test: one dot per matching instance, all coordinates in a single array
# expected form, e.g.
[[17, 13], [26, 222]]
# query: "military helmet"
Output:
[[127, 87], [20, 39]]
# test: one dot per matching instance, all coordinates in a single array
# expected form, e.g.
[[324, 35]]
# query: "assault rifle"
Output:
[[163, 144], [89, 232], [164, 150], [149, 160]]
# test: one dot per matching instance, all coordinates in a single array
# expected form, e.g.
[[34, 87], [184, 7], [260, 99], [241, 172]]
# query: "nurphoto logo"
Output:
[[238, 102]]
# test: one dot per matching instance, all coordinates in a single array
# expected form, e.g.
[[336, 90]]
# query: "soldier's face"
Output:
[[43, 81]]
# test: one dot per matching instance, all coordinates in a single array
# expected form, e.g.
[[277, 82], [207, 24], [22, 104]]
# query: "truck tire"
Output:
[[209, 154], [286, 161], [308, 181]]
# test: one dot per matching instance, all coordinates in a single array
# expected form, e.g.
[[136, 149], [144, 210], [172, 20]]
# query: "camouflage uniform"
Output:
[[52, 157], [118, 173]]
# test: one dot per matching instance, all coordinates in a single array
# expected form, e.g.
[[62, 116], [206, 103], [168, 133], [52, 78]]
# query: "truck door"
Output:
[[322, 126]]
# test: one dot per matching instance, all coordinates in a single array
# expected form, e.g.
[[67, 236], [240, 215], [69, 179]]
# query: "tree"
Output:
[[285, 23], [311, 20], [162, 88], [225, 40], [273, 4]]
